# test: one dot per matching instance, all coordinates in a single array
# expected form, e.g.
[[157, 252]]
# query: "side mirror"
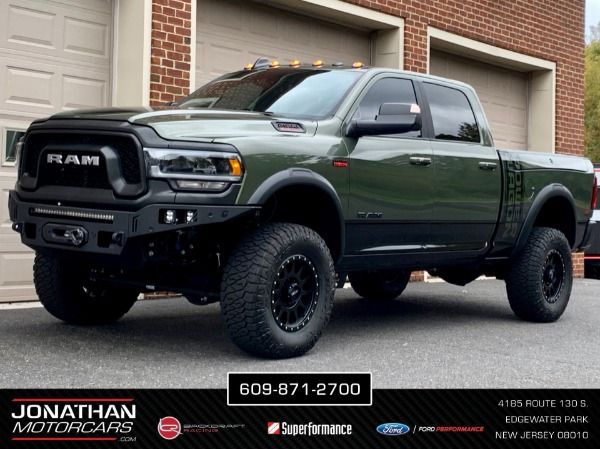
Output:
[[393, 118]]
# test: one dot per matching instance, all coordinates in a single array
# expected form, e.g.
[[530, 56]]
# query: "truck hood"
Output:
[[202, 125]]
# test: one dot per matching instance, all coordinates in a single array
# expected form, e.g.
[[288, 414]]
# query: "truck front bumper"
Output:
[[107, 231]]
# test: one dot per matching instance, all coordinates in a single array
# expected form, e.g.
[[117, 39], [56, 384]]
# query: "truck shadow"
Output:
[[183, 330]]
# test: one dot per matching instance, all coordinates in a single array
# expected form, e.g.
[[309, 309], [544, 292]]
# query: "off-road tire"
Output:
[[379, 285], [251, 278], [64, 291], [533, 294]]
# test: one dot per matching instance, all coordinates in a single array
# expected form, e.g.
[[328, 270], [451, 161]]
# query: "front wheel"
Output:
[[66, 291], [277, 291], [540, 279]]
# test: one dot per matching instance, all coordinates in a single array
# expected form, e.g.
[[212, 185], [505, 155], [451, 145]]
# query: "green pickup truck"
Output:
[[268, 187]]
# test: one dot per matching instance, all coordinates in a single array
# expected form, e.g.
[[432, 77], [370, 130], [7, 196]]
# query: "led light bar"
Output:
[[72, 214]]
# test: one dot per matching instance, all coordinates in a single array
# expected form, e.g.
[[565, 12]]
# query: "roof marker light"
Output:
[[274, 64], [318, 63], [358, 65], [295, 63], [248, 66]]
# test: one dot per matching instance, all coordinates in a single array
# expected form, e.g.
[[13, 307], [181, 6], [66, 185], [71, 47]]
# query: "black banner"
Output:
[[396, 419]]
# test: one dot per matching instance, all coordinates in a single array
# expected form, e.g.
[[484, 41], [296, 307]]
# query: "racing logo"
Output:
[[169, 428]]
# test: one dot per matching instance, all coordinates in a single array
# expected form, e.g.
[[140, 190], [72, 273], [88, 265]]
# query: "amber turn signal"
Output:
[[236, 167]]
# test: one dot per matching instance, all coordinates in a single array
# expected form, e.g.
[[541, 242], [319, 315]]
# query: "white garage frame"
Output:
[[131, 52], [542, 81], [387, 48]]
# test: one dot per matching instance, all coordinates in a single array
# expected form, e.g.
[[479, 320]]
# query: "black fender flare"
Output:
[[547, 193], [298, 177]]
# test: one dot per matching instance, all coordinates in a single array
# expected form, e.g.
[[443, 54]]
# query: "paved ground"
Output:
[[436, 335]]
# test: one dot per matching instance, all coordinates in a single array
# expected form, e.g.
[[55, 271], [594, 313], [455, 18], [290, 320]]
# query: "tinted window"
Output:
[[387, 90], [284, 92], [452, 115]]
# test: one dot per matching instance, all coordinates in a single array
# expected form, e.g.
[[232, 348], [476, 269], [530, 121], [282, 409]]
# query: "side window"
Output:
[[452, 115], [9, 144], [387, 90]]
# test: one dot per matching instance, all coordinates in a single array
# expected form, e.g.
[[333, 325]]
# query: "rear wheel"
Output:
[[277, 291], [540, 279], [379, 284], [66, 291]]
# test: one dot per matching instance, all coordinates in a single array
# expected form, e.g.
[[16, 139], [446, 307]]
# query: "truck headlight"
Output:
[[194, 170]]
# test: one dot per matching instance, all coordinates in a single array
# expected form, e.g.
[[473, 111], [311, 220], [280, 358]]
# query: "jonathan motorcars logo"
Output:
[[73, 419], [393, 429]]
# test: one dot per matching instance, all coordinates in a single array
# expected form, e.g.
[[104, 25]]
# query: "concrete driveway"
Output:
[[434, 336]]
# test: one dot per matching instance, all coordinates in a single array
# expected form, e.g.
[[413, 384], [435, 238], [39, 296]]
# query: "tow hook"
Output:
[[65, 235]]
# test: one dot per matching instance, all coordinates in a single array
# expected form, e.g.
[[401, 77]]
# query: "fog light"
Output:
[[190, 216], [170, 217]]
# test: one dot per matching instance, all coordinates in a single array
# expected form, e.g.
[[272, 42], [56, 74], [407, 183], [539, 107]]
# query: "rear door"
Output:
[[391, 179], [467, 173]]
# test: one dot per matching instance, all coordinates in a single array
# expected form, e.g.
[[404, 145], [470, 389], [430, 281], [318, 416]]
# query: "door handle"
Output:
[[420, 161], [491, 166]]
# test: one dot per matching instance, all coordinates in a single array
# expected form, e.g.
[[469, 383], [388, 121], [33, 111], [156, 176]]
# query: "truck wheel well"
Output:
[[558, 213], [309, 206]]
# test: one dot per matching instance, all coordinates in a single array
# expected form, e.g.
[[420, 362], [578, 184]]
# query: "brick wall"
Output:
[[171, 50]]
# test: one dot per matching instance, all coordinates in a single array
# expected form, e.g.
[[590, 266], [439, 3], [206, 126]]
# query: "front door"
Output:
[[391, 180]]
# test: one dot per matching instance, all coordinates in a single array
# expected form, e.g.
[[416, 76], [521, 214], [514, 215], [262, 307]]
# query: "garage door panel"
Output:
[[80, 93], [232, 33], [27, 88], [261, 24], [15, 268], [27, 27], [27, 85], [503, 94], [86, 38], [53, 29], [54, 55]]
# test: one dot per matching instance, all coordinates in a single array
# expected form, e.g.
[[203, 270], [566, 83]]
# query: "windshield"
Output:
[[288, 92]]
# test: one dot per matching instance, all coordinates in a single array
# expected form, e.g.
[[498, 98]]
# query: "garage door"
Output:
[[54, 55], [232, 33], [502, 92]]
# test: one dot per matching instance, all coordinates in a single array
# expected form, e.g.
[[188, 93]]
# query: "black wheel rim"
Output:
[[295, 293], [553, 275]]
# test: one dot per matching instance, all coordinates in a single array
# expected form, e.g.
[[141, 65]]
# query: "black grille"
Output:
[[86, 176], [124, 145]]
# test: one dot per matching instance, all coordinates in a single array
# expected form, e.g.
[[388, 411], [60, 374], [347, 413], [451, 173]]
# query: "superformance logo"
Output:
[[73, 419]]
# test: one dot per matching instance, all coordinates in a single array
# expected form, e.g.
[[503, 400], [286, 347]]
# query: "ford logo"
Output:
[[393, 429]]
